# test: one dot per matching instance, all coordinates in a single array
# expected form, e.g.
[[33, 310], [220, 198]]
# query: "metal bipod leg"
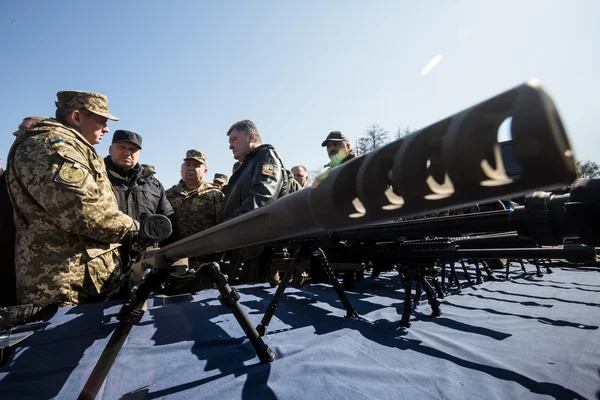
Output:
[[478, 278], [488, 270], [548, 265], [418, 294], [350, 312], [229, 298], [443, 274], [299, 255], [453, 277], [433, 302], [522, 266], [539, 273], [438, 288], [464, 267], [407, 278], [302, 253]]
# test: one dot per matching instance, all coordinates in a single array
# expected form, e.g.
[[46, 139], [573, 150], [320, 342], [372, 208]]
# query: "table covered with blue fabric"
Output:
[[527, 338]]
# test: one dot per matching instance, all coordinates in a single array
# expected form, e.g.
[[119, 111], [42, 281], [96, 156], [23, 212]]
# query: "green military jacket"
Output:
[[195, 210]]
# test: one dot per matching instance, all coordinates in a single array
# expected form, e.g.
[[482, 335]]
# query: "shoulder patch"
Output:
[[71, 173], [268, 169]]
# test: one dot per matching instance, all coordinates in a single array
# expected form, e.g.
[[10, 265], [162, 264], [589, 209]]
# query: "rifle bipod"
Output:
[[304, 252], [132, 312], [419, 274]]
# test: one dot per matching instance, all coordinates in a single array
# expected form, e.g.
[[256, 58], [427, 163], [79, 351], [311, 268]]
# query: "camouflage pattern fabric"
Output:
[[195, 155], [293, 185], [94, 102], [68, 224], [220, 178], [195, 210]]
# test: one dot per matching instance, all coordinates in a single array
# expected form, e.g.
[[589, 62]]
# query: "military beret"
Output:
[[335, 136], [93, 102]]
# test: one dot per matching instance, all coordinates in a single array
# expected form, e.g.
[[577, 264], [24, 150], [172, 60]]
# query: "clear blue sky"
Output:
[[181, 72]]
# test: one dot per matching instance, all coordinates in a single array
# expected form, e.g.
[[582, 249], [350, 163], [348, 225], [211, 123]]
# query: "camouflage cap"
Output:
[[195, 155], [220, 178], [93, 102], [335, 136]]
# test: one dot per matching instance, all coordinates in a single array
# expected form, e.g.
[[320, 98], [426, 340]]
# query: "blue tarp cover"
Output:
[[528, 338]]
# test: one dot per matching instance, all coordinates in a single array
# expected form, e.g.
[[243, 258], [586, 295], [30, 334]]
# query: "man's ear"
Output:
[[76, 118], [251, 137], [348, 146]]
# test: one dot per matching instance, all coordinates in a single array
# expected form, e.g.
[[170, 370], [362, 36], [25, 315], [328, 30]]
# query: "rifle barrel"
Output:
[[453, 163]]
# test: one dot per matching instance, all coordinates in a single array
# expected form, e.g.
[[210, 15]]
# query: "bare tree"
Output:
[[588, 169], [360, 146], [402, 132], [374, 138]]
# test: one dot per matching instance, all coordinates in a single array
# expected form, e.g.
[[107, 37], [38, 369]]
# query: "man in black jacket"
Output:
[[137, 190], [259, 180]]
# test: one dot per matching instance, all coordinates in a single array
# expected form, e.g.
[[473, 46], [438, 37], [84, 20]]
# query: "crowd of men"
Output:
[[69, 214]]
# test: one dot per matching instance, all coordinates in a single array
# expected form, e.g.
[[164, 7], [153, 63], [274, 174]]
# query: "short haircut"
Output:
[[63, 112], [247, 127], [301, 167]]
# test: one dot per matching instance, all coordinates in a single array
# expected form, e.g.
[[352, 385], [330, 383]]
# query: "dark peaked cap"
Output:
[[127, 136], [335, 136]]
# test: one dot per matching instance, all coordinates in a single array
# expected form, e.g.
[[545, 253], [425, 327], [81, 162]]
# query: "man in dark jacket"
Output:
[[137, 190], [259, 180]]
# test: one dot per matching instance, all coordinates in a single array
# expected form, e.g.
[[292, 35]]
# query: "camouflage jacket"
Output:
[[67, 221], [195, 210]]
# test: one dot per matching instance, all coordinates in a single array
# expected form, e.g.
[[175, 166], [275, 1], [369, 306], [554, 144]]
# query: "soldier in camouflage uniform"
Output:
[[197, 203], [219, 180], [68, 224]]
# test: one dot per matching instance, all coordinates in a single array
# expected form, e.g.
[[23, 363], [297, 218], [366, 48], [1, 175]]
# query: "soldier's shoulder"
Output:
[[174, 189], [267, 152], [51, 135], [210, 190]]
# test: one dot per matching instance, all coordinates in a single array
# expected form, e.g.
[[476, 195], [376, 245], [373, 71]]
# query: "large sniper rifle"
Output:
[[453, 163], [548, 226]]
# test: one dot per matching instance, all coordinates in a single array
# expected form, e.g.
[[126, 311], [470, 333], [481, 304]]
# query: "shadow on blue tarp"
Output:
[[194, 347]]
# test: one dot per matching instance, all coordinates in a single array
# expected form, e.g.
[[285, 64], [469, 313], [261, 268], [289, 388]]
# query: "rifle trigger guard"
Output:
[[230, 299]]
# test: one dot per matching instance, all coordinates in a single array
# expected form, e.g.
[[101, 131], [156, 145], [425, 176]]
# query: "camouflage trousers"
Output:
[[82, 279]]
